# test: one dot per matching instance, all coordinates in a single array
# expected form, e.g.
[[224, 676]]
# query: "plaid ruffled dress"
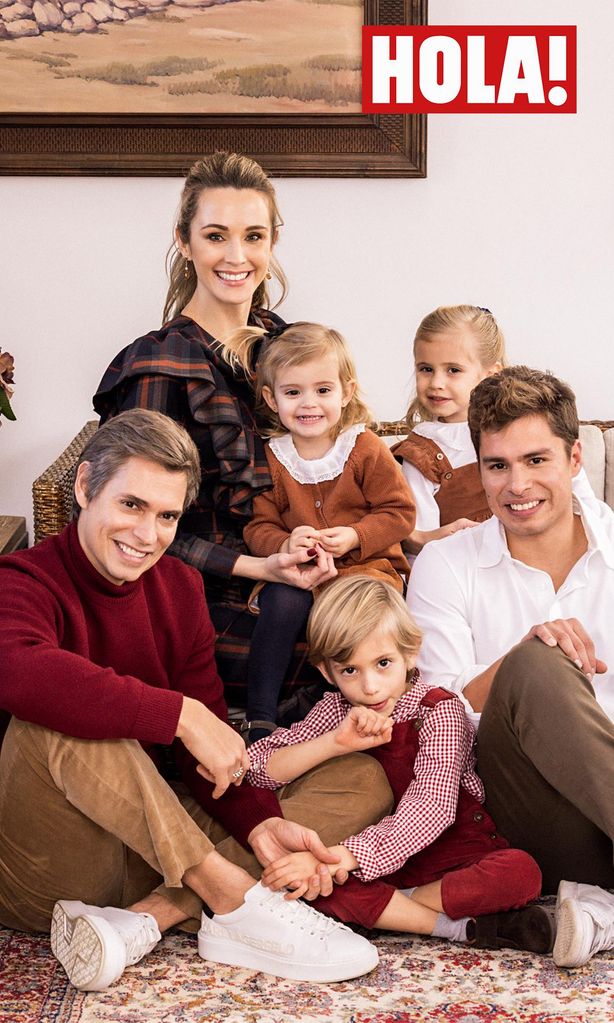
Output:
[[179, 371]]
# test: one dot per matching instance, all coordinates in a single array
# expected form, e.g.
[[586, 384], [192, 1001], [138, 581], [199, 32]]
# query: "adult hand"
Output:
[[338, 540], [276, 837], [220, 751], [306, 568], [573, 639], [363, 729]]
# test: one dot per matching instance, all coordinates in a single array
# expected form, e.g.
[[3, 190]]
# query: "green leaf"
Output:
[[5, 405]]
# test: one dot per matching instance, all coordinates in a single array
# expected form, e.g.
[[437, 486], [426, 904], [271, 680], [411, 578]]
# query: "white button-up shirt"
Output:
[[474, 602]]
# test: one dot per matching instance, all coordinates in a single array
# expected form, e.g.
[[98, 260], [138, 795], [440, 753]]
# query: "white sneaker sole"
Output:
[[570, 944], [233, 953], [86, 947], [566, 890]]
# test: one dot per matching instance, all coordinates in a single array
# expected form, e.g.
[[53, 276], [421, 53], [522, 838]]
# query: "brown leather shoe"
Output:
[[532, 929]]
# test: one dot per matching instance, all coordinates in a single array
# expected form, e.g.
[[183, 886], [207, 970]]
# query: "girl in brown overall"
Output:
[[454, 348]]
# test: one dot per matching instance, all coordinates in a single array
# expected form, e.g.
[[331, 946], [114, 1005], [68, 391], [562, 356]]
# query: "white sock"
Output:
[[454, 930]]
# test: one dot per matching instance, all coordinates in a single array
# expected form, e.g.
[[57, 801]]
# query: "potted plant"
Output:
[[7, 366]]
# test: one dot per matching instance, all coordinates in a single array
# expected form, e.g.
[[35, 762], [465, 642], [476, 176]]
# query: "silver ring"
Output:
[[237, 774]]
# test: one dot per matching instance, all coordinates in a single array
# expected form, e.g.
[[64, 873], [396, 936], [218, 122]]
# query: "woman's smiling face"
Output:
[[230, 244]]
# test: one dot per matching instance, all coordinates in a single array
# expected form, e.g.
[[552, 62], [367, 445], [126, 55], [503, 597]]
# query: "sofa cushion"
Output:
[[608, 439], [594, 458]]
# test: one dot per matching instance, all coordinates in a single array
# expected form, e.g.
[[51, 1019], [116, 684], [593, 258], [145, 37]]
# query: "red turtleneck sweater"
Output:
[[91, 659]]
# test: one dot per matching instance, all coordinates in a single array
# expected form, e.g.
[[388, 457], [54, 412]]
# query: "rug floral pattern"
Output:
[[417, 981]]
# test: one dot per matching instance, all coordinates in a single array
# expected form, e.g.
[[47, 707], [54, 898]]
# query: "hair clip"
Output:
[[483, 309]]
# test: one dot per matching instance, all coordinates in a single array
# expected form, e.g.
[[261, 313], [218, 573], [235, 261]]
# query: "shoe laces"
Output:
[[604, 928], [143, 936], [308, 919]]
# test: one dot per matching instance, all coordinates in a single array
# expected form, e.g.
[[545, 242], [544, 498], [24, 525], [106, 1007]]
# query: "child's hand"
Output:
[[294, 871], [338, 540], [363, 728], [456, 526], [302, 536], [416, 541]]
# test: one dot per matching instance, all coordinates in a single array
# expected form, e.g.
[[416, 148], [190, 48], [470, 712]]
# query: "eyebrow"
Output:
[[141, 503], [318, 383], [224, 227], [455, 362], [528, 454]]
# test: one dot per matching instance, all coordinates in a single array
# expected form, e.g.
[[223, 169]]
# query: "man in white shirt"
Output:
[[542, 569]]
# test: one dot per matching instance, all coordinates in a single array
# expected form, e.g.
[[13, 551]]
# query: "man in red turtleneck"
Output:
[[107, 656]]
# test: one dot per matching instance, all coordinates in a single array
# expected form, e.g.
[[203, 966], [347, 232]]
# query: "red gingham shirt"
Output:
[[445, 760]]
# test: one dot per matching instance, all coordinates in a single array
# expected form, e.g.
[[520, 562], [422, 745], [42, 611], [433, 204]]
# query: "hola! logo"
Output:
[[498, 69]]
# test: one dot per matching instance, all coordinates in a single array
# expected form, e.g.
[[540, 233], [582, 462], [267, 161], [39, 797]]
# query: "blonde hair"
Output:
[[350, 610], [300, 342], [486, 332], [219, 170]]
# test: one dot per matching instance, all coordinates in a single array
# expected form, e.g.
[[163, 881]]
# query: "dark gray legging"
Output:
[[283, 614]]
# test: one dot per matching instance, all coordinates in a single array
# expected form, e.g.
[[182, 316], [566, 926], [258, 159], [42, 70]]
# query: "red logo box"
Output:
[[482, 69]]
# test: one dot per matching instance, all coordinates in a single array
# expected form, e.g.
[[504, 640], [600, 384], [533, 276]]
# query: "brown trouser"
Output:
[[94, 820], [546, 756]]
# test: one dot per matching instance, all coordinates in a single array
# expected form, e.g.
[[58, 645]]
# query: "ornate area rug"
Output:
[[417, 981]]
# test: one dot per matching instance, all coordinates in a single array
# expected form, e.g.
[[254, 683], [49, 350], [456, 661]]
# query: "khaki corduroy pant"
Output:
[[94, 820]]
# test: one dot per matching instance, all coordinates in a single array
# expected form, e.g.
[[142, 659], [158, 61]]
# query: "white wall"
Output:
[[516, 213]]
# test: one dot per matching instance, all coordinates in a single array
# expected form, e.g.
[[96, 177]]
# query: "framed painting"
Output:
[[145, 87]]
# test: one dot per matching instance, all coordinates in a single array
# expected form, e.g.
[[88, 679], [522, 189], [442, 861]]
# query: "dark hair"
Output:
[[518, 391], [219, 170], [139, 433]]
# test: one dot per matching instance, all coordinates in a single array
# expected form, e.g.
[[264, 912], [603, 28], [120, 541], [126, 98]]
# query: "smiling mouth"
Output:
[[523, 506], [437, 397], [131, 551], [233, 278], [309, 419]]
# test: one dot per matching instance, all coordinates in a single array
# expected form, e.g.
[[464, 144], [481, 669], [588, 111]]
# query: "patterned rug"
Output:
[[417, 981]]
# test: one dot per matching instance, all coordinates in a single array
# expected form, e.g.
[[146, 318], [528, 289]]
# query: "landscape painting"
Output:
[[194, 57]]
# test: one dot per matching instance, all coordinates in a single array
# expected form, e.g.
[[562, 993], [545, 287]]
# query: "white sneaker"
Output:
[[585, 923], [574, 890], [287, 939], [95, 945]]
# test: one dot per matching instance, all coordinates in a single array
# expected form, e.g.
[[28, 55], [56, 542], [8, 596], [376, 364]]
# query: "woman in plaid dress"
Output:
[[220, 262]]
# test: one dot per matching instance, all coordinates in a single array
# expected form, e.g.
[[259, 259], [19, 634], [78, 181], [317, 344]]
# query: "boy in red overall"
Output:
[[436, 865]]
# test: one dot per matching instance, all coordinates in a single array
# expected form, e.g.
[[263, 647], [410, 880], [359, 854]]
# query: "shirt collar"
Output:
[[600, 537], [493, 547], [454, 436]]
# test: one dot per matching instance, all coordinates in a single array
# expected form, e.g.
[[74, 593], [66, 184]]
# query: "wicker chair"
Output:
[[52, 492]]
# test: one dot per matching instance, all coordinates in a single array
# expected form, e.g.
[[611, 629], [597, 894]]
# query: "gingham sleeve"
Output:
[[325, 716], [428, 806]]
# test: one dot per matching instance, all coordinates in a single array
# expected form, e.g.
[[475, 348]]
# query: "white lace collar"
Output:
[[316, 470]]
